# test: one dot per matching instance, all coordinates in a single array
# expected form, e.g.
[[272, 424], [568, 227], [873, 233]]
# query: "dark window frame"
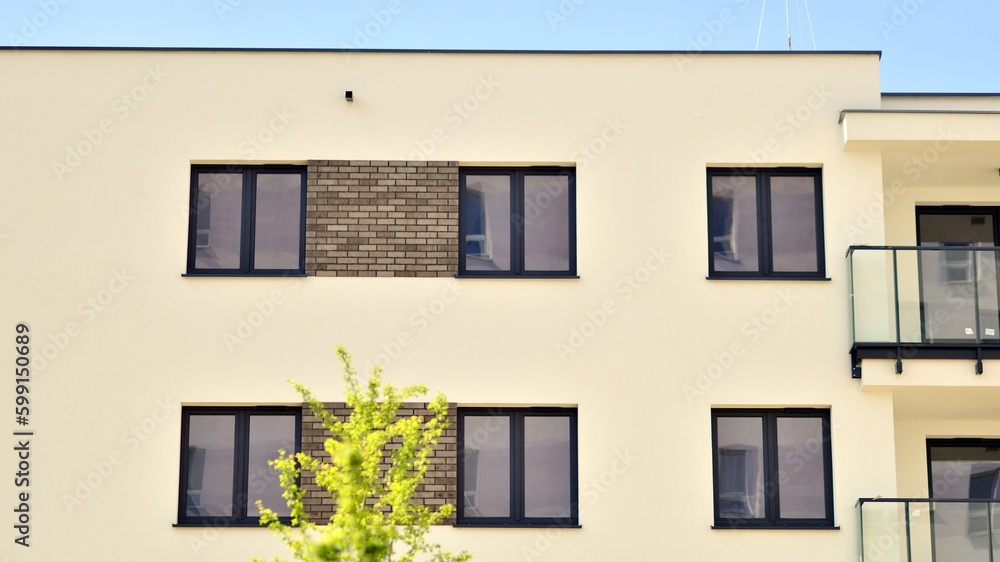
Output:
[[921, 211], [517, 518], [921, 214], [957, 442], [517, 212], [772, 518], [765, 250], [973, 514], [241, 436], [249, 175]]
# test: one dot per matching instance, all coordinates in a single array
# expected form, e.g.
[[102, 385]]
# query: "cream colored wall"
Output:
[[673, 346]]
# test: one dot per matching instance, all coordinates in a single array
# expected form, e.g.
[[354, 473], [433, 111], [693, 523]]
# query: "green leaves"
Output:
[[377, 462]]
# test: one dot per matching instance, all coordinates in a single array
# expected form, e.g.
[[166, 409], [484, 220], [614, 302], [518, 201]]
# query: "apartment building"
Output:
[[717, 306]]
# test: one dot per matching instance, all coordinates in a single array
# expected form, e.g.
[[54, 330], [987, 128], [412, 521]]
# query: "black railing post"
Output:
[[975, 291], [895, 301], [861, 529], [850, 294], [989, 528], [895, 292], [909, 555]]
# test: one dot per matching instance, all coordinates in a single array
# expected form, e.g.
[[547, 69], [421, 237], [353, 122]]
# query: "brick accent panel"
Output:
[[368, 218], [440, 485]]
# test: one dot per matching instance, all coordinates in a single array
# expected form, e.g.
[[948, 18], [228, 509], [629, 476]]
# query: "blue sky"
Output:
[[927, 45]]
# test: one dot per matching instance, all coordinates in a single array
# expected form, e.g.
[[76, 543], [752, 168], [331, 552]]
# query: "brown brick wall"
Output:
[[367, 218], [440, 485]]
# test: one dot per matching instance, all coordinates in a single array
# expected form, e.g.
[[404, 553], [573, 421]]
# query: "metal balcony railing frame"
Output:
[[976, 349], [906, 509]]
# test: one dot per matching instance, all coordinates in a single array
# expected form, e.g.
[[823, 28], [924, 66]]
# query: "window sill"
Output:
[[739, 527], [222, 523], [244, 275], [763, 278], [467, 276], [516, 526]]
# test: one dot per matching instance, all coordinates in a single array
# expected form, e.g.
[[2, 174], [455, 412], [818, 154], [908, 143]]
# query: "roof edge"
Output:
[[844, 112], [940, 94], [431, 51]]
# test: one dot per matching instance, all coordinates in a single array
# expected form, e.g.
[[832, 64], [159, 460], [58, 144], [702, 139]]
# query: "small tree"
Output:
[[376, 518]]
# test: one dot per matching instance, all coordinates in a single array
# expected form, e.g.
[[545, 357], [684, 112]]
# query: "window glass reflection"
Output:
[[546, 465], [487, 223], [210, 457], [734, 223], [486, 466]]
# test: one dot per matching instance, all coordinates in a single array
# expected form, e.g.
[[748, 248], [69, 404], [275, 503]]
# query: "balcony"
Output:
[[923, 302], [929, 530]]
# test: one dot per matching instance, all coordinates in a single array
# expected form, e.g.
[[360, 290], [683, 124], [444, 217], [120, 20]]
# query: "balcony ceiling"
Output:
[[960, 165], [942, 404], [929, 148]]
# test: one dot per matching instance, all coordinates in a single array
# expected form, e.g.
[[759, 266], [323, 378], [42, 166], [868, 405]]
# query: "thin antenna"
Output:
[[761, 25], [809, 19], [788, 26], [798, 18]]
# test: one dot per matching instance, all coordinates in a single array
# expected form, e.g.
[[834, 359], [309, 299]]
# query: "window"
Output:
[[224, 470], [247, 220], [517, 466], [966, 468], [517, 222], [765, 223], [772, 468], [953, 271]]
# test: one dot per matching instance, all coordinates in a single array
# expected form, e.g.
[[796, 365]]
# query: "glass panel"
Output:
[[219, 219], [874, 312], [948, 284], [486, 466], [277, 226], [989, 304], [210, 457], [996, 530], [960, 532], [918, 537], [952, 280], [546, 223], [546, 466], [741, 467], [885, 533], [268, 435], [734, 223], [801, 468], [910, 306], [793, 223], [486, 219]]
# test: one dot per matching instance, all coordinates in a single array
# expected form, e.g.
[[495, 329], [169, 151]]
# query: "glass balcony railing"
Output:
[[929, 530], [938, 302]]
